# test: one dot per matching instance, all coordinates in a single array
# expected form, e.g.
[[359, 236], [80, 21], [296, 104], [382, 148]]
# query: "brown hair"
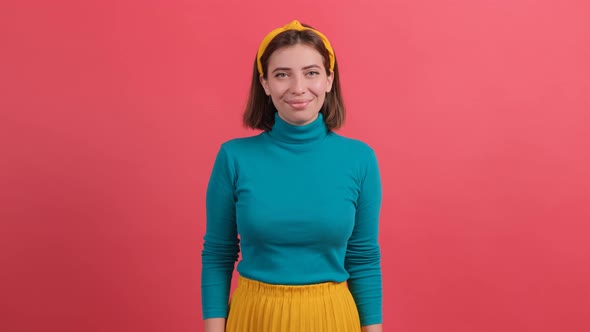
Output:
[[259, 113]]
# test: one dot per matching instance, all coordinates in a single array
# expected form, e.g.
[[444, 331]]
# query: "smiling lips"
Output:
[[298, 104]]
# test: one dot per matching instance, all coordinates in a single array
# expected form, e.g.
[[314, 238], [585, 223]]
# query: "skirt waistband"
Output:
[[267, 289]]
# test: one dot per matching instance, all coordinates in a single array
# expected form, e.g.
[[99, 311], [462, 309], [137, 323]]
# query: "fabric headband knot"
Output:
[[294, 25]]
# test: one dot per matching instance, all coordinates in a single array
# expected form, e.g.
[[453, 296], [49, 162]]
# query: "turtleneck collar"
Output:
[[288, 133]]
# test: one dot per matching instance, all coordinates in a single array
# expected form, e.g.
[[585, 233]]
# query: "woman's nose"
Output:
[[298, 84]]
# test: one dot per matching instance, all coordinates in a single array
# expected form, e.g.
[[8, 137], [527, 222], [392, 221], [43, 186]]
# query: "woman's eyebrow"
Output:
[[289, 69]]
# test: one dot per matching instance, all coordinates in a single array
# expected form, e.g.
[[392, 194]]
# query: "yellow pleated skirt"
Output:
[[260, 307]]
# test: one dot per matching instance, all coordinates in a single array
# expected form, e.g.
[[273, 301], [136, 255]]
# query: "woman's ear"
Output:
[[264, 84], [329, 82]]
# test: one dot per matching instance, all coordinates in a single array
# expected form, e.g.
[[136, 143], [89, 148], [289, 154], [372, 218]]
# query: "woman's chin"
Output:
[[299, 118]]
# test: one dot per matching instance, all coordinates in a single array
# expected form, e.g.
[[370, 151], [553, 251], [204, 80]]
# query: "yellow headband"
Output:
[[294, 25]]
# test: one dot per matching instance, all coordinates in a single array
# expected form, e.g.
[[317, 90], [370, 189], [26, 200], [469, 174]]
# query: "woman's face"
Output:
[[297, 83]]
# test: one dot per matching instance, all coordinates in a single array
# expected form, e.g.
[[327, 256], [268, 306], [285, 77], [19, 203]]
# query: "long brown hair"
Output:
[[259, 113]]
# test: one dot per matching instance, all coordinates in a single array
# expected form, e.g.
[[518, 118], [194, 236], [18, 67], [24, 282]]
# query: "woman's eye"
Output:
[[313, 73], [281, 75]]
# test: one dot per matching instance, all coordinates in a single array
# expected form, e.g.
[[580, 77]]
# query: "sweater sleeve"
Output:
[[363, 257], [221, 244]]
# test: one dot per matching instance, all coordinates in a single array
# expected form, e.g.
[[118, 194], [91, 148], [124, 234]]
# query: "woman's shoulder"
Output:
[[237, 144], [353, 144]]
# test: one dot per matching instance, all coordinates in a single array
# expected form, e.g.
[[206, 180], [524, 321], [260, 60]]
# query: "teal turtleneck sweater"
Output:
[[305, 202]]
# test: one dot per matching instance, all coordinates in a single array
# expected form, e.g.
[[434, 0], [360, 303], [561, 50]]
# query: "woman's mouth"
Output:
[[298, 104]]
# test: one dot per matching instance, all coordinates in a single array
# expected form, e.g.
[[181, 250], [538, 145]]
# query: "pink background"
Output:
[[111, 113]]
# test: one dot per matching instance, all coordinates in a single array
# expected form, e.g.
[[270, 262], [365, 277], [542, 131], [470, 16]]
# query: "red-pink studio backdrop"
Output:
[[111, 114]]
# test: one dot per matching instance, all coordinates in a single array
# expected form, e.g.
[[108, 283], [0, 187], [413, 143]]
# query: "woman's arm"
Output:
[[217, 325], [221, 245], [363, 255], [373, 328]]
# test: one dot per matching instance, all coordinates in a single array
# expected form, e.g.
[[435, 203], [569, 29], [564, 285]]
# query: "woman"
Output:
[[304, 200]]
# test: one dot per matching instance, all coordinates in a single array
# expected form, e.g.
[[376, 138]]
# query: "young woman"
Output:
[[304, 201]]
